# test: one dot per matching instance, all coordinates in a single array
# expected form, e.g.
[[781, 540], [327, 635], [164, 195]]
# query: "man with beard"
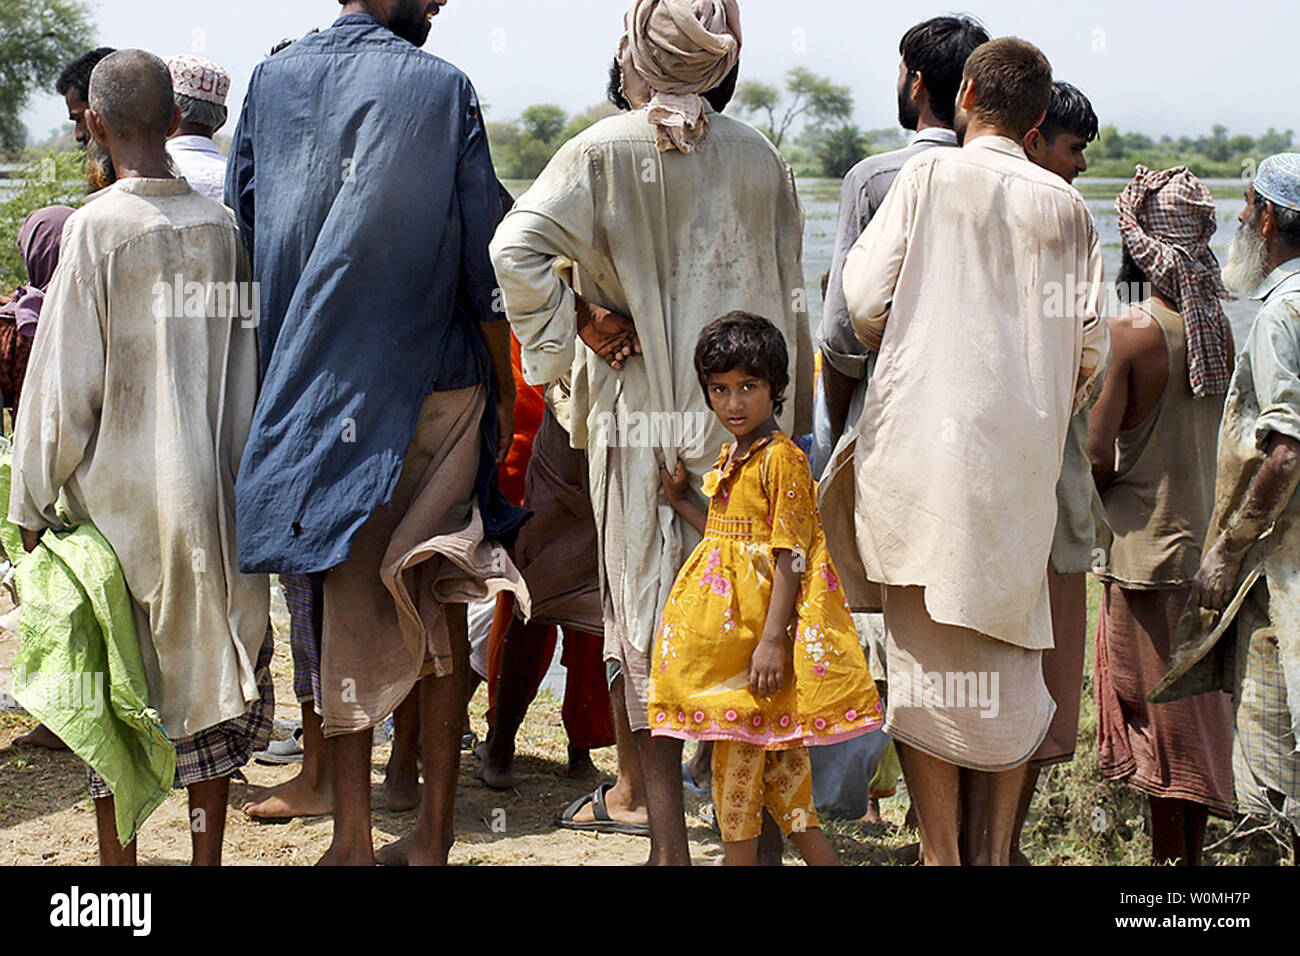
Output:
[[1241, 629], [1152, 445], [959, 445], [135, 419], [361, 178], [73, 85], [671, 214], [929, 72], [933, 54]]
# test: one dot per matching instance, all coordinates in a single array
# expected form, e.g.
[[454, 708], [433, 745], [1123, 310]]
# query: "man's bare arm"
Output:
[[1137, 351], [497, 336], [1269, 493]]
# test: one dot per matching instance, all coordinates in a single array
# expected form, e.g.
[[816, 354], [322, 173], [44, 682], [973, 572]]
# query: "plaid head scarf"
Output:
[[1166, 220]]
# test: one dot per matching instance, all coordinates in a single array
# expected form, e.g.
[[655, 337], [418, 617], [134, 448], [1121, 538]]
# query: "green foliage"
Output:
[[815, 98], [839, 149], [522, 148], [54, 179], [1217, 155], [37, 40]]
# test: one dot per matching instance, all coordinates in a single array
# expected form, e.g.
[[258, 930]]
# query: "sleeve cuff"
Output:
[[1283, 419], [543, 366], [849, 365]]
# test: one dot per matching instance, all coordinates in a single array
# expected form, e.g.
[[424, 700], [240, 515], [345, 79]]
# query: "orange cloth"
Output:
[[530, 403], [585, 712]]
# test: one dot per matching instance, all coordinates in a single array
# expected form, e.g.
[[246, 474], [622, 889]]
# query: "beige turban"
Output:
[[670, 53]]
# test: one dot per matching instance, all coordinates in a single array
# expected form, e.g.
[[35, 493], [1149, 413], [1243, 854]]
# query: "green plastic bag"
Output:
[[79, 669]]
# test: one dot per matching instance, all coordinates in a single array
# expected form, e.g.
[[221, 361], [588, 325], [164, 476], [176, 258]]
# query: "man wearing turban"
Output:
[[660, 220]]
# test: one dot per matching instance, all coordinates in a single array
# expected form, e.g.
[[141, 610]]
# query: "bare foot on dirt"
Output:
[[496, 759], [293, 798], [40, 736], [414, 849], [335, 856], [401, 786], [873, 816], [580, 764]]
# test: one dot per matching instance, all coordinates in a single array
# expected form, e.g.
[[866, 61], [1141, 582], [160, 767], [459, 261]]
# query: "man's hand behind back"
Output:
[[610, 335]]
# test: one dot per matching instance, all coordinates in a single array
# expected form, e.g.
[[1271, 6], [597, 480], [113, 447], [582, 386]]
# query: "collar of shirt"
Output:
[[194, 144], [140, 186], [357, 19], [1278, 276], [934, 134], [999, 144]]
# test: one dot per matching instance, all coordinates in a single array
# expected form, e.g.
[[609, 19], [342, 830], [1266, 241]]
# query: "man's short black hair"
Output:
[[745, 341], [937, 49], [76, 75], [1069, 112]]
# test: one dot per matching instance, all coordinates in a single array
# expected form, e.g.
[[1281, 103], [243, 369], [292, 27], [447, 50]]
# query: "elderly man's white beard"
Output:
[[1247, 261]]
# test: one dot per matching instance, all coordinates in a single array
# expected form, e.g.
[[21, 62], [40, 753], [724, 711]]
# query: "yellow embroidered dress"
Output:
[[714, 617]]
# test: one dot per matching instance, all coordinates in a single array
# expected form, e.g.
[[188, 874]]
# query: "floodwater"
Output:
[[820, 198]]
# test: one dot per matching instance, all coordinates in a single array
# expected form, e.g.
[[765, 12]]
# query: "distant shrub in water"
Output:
[[53, 179]]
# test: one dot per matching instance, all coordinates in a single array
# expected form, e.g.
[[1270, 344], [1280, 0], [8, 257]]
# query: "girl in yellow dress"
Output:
[[756, 649]]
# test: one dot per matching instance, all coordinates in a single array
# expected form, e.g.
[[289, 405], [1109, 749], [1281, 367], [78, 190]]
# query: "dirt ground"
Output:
[[46, 816]]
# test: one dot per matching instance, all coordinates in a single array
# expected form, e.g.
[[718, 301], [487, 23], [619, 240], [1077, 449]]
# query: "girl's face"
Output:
[[742, 402]]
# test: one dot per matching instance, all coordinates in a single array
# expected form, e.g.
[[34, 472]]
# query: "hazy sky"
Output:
[[1161, 66]]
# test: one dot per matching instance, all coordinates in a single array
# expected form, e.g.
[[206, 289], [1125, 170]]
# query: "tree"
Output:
[[37, 40], [544, 123], [54, 179], [839, 149], [522, 149], [816, 97], [1274, 142]]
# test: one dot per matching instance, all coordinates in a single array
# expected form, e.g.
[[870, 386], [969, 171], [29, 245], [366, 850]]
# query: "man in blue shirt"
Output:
[[362, 181]]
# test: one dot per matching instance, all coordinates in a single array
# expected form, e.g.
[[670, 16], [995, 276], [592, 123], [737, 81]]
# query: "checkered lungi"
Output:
[[305, 596], [1265, 767], [219, 751]]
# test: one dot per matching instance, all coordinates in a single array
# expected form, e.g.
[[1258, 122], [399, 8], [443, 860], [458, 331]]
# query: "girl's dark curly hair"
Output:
[[746, 341]]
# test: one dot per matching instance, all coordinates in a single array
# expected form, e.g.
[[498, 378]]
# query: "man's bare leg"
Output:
[[933, 786], [700, 766], [1018, 858], [311, 792], [1004, 790], [1177, 830], [349, 759], [442, 717], [111, 852], [402, 776], [661, 763], [208, 820], [626, 800], [973, 838], [522, 658]]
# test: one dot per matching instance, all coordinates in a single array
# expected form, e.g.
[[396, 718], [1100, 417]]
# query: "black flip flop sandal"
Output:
[[602, 823]]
